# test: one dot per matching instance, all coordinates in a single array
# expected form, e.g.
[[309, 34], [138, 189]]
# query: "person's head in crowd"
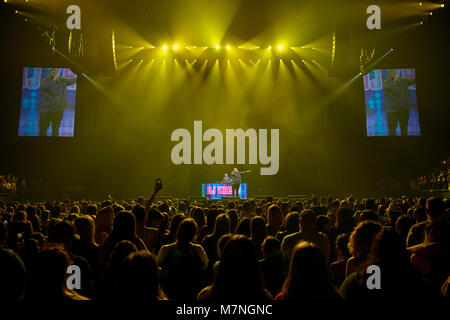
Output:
[[342, 247], [361, 239], [230, 205], [63, 234], [18, 232], [394, 211], [141, 201], [85, 228], [221, 243], [238, 277], [307, 221], [199, 216], [211, 219], [138, 281], [274, 219], [75, 209], [308, 276], [104, 221], [29, 250], [47, 277], [246, 206], [421, 202], [402, 226], [187, 230], [222, 225], [345, 204], [164, 207], [117, 208], [344, 220], [270, 247], [419, 214], [155, 217], [284, 209], [243, 227], [141, 216], [234, 219], [368, 215], [91, 210], [434, 208], [124, 227], [19, 216], [39, 237], [163, 226], [381, 211], [176, 220], [121, 250], [370, 204], [323, 224], [258, 229], [291, 222]]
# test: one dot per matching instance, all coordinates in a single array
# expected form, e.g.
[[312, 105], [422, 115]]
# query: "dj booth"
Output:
[[219, 190]]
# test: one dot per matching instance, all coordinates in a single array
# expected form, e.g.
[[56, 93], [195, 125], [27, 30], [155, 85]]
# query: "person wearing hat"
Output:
[[307, 232], [53, 101]]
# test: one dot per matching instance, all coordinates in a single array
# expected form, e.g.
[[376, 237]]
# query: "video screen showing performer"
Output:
[[48, 102], [391, 103], [236, 180]]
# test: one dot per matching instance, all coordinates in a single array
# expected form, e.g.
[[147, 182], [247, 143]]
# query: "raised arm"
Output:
[[152, 197]]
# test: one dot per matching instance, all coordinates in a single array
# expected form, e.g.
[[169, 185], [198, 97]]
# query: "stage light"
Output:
[[217, 47], [280, 47], [442, 5], [175, 47], [420, 4], [228, 47], [16, 11], [270, 48], [431, 13], [164, 47]]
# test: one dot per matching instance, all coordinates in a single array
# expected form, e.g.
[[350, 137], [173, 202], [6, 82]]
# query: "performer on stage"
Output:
[[53, 101], [236, 180], [397, 102], [226, 179]]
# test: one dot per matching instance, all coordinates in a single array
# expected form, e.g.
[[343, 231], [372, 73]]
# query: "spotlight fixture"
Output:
[[217, 47], [280, 47], [164, 47], [175, 47], [228, 47], [270, 48]]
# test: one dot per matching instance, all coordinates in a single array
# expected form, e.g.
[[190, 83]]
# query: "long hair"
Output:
[[124, 227], [222, 225], [139, 279], [308, 276], [238, 275], [361, 239], [186, 232]]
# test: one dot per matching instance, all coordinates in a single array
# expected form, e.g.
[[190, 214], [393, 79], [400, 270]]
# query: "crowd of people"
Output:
[[437, 179], [8, 184], [225, 250]]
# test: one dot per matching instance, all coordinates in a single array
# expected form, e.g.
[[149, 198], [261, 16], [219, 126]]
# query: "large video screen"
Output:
[[48, 102], [391, 103]]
